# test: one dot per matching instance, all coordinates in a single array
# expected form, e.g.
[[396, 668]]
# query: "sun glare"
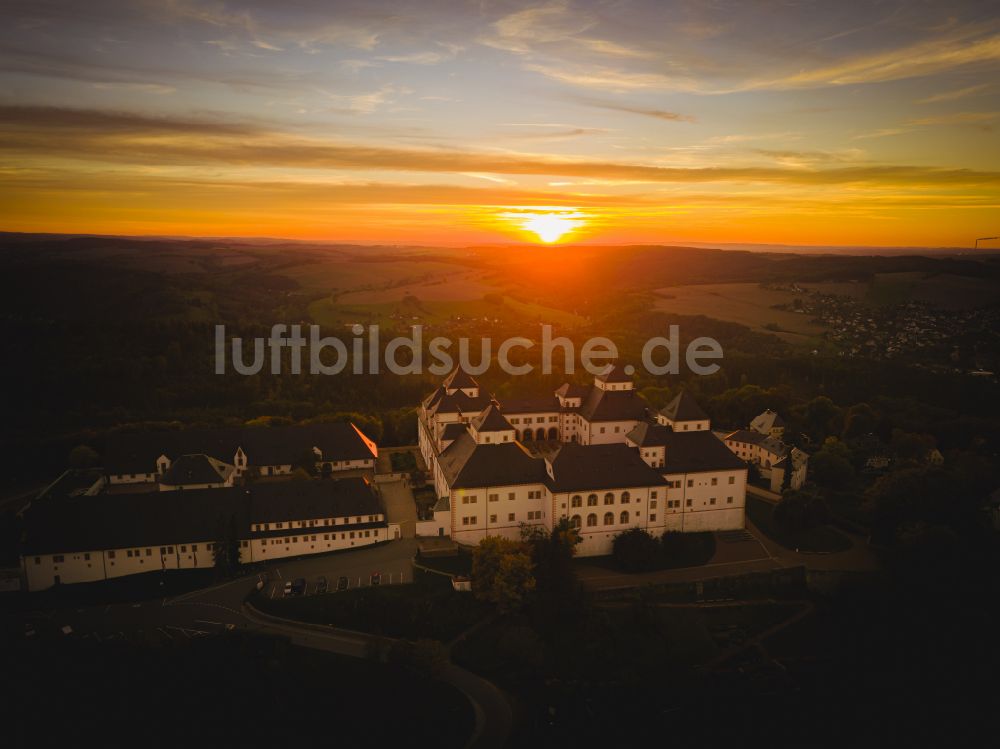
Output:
[[549, 224]]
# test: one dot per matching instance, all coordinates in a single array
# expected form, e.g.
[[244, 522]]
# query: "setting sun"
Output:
[[548, 223]]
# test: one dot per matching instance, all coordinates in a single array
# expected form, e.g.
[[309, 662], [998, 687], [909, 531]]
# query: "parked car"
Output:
[[342, 583], [376, 578], [287, 588], [321, 586], [299, 586]]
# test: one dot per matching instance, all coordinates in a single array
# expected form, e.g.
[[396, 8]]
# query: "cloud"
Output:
[[659, 114], [110, 137], [920, 59], [960, 93]]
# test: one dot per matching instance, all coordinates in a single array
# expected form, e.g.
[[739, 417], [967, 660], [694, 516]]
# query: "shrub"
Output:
[[635, 550]]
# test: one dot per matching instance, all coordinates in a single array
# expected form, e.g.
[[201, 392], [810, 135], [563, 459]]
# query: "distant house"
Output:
[[763, 446], [84, 538], [223, 457]]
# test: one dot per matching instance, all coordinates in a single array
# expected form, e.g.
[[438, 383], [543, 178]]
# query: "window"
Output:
[[623, 518], [591, 520], [184, 549], [494, 497], [510, 517], [493, 518], [510, 495], [533, 495], [57, 558], [652, 495], [652, 505], [732, 479], [690, 483], [591, 500], [652, 518], [86, 557], [609, 498], [609, 518], [715, 481], [129, 553], [111, 555], [602, 430], [577, 501], [469, 500], [711, 501], [38, 560], [575, 521], [626, 498], [689, 503], [729, 500]]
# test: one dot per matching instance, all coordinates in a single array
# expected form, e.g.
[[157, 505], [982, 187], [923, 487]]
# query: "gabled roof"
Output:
[[614, 373], [458, 402], [593, 467], [531, 404], [694, 452], [467, 465], [137, 452], [194, 469], [572, 390], [684, 408], [612, 405], [767, 421], [650, 435], [120, 521], [453, 430], [748, 436], [459, 379], [491, 420], [304, 500]]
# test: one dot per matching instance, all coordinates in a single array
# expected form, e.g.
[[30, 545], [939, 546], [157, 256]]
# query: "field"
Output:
[[744, 303]]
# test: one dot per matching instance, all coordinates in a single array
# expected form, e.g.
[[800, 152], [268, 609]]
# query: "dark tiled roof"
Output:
[[459, 379], [192, 469], [303, 500], [459, 402], [592, 467], [531, 404], [693, 452], [121, 521], [467, 465], [453, 430], [612, 405], [767, 421], [572, 390], [614, 373], [684, 408], [136, 452], [747, 436], [650, 435], [491, 420]]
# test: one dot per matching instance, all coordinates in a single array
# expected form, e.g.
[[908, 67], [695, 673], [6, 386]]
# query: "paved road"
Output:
[[399, 505], [212, 609]]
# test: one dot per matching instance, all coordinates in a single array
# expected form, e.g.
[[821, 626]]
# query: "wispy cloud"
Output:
[[126, 138], [659, 114], [952, 95]]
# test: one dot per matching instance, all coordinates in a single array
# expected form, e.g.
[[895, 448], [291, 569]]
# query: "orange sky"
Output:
[[604, 122]]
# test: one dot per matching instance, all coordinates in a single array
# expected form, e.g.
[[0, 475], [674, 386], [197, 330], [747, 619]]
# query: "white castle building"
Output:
[[763, 445], [608, 464]]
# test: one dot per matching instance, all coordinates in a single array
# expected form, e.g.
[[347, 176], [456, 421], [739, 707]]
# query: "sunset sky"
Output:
[[469, 122]]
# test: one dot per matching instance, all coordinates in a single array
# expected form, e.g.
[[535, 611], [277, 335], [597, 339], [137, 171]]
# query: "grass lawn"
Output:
[[426, 608], [820, 539]]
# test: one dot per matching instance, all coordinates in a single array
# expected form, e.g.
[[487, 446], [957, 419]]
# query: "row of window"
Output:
[[538, 420], [609, 499], [471, 499], [326, 537], [314, 523], [511, 517], [609, 519]]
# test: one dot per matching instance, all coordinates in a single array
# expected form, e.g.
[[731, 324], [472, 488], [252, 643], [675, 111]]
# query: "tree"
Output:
[[552, 553], [799, 511], [83, 456], [635, 550], [307, 462], [502, 573], [426, 657], [860, 420], [830, 469], [820, 417]]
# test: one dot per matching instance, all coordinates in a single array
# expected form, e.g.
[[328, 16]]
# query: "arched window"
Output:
[[591, 500], [575, 521], [591, 520], [540, 433], [526, 435], [553, 433], [577, 501], [624, 517], [609, 498], [609, 518], [626, 498]]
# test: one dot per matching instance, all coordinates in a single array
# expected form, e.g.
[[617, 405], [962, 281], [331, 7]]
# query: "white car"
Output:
[[288, 588]]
